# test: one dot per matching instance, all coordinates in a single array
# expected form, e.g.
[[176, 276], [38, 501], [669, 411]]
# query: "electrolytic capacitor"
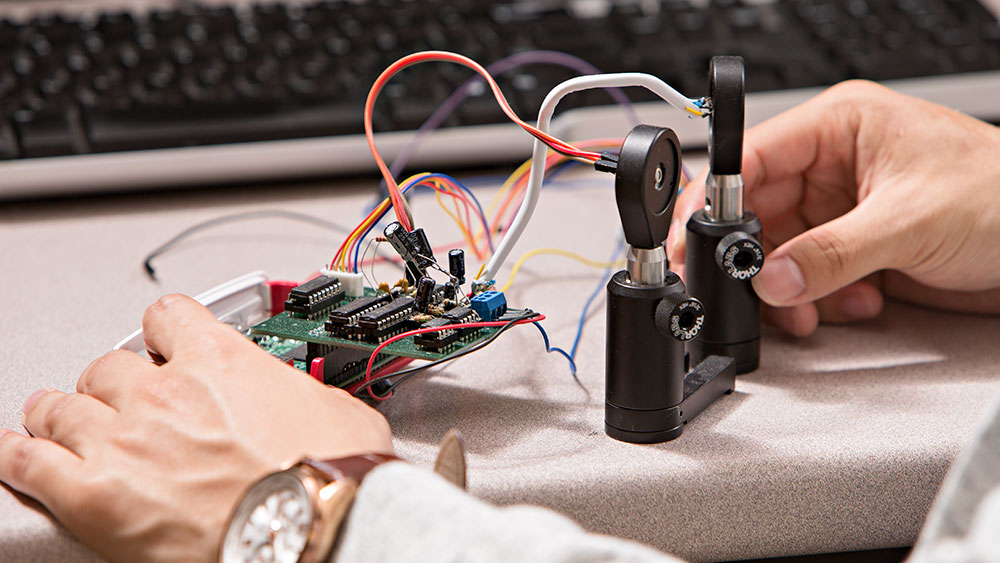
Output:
[[456, 264], [422, 297]]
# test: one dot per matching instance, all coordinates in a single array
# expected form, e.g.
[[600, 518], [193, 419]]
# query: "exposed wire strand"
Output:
[[539, 151]]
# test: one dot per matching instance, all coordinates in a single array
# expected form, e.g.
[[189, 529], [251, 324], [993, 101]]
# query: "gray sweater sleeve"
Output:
[[964, 523], [406, 514]]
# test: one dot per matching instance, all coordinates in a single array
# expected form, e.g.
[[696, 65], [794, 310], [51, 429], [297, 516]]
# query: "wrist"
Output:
[[296, 513]]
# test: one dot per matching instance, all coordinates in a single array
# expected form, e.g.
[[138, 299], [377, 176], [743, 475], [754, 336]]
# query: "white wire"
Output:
[[619, 80]]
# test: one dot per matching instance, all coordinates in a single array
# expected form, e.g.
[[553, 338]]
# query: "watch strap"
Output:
[[353, 467]]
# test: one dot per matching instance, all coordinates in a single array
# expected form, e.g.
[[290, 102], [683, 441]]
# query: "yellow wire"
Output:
[[454, 216], [341, 263], [510, 181], [558, 252]]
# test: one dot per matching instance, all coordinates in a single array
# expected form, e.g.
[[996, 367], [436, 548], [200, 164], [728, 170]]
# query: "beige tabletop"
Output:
[[837, 443]]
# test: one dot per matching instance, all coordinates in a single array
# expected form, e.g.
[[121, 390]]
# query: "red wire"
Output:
[[380, 347], [427, 56]]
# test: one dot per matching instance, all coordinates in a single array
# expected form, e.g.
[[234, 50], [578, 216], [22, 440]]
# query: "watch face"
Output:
[[272, 523]]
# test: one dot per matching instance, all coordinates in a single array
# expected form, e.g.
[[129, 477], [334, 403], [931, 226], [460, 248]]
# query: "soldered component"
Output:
[[489, 304], [386, 319], [413, 247], [456, 264], [424, 293], [346, 315], [314, 296], [462, 315], [438, 339]]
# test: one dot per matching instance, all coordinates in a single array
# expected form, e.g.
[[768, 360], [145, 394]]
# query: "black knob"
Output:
[[739, 255], [680, 316]]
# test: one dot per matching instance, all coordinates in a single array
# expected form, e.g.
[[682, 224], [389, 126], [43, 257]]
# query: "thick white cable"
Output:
[[620, 80]]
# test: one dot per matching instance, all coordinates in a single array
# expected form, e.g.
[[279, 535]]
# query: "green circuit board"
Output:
[[297, 338], [288, 327]]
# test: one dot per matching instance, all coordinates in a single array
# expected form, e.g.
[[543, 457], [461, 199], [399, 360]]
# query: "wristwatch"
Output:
[[292, 516]]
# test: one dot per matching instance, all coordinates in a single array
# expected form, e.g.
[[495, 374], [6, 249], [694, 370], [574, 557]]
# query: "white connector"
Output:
[[353, 284]]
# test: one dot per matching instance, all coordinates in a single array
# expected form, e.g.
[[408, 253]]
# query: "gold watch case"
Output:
[[328, 502]]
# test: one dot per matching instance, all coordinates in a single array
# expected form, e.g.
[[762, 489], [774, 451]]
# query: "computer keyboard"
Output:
[[191, 93]]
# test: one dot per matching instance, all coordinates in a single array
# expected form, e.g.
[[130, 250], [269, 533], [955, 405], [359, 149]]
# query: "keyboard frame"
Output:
[[976, 94]]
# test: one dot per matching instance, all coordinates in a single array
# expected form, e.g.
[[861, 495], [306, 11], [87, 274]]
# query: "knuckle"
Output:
[[858, 88], [17, 456], [163, 304], [99, 367], [54, 415], [859, 94], [831, 252]]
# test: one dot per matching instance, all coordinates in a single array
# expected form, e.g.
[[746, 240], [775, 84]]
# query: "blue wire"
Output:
[[405, 188], [597, 291], [550, 349]]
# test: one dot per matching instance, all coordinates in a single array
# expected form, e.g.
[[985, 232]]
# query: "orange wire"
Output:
[[428, 56]]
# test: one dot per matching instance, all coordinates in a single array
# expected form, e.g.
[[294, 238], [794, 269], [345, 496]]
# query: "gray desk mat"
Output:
[[838, 442]]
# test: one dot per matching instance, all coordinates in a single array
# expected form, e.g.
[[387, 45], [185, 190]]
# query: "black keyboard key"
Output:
[[9, 148], [51, 133]]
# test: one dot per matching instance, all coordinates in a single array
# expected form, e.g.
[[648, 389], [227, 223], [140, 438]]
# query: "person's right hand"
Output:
[[863, 180]]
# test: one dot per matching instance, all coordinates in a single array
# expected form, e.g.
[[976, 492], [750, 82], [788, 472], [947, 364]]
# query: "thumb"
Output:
[[826, 258]]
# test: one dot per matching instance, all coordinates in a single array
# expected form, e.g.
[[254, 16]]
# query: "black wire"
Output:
[[405, 374], [280, 213]]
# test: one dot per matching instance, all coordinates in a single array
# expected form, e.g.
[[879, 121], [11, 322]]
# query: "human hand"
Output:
[[862, 180], [145, 462]]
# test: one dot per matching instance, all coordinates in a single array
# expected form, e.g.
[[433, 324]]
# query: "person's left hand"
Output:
[[145, 462]]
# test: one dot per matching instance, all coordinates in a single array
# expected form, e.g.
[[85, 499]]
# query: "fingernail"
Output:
[[34, 398], [857, 307], [779, 281]]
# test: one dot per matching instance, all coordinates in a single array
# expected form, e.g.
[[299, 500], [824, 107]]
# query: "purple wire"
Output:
[[499, 67]]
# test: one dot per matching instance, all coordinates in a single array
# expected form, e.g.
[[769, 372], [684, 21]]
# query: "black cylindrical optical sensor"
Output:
[[720, 260], [645, 366]]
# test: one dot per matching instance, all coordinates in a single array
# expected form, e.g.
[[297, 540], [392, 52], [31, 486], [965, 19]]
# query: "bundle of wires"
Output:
[[518, 192], [395, 194], [488, 223], [346, 258]]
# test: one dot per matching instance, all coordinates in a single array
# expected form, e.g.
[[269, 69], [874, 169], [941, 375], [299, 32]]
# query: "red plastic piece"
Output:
[[279, 294], [316, 369]]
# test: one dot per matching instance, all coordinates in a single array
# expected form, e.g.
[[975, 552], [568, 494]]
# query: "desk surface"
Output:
[[837, 443]]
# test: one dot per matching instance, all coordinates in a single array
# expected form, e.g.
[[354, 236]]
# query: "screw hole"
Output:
[[686, 320], [743, 259]]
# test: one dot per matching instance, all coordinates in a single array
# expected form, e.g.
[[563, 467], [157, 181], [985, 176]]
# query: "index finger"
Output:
[[175, 322], [818, 136]]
